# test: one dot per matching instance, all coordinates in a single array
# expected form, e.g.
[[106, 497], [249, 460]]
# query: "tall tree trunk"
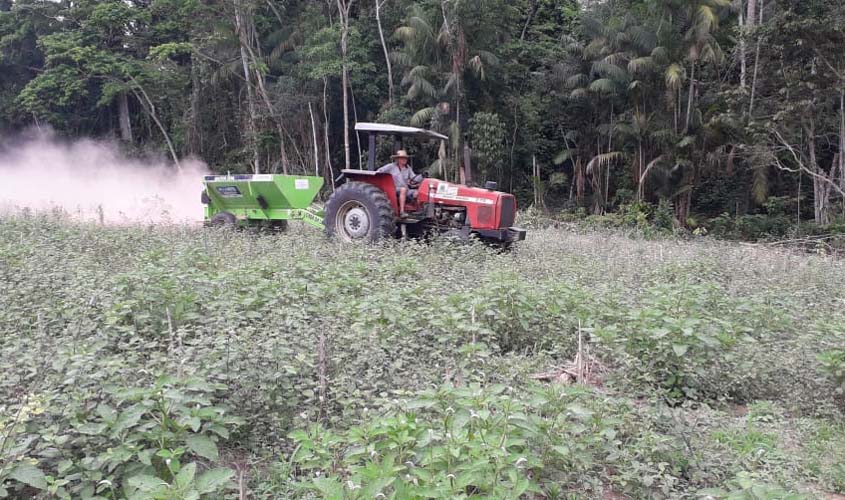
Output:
[[535, 5], [149, 107], [344, 7], [265, 96], [252, 132], [743, 63], [314, 133], [842, 146], [123, 117], [357, 135], [821, 191], [691, 94], [379, 4], [751, 22], [751, 17], [326, 130], [195, 145]]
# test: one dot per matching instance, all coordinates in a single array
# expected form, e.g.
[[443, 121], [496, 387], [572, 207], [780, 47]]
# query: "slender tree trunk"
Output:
[[691, 94], [640, 157], [343, 7], [756, 56], [251, 125], [534, 6], [326, 130], [743, 63], [842, 146], [314, 133], [265, 96], [195, 142], [123, 117], [357, 135], [821, 191], [149, 107], [751, 18], [379, 4]]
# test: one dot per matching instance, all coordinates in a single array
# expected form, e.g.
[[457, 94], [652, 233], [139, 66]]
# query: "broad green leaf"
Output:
[[147, 484], [30, 475], [186, 475], [680, 349], [202, 446], [213, 479]]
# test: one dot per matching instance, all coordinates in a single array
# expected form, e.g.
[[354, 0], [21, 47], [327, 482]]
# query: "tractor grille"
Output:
[[508, 211]]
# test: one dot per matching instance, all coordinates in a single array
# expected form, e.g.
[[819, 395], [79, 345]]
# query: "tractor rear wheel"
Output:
[[223, 219], [359, 211]]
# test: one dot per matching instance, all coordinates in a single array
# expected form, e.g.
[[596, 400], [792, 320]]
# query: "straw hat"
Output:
[[400, 154]]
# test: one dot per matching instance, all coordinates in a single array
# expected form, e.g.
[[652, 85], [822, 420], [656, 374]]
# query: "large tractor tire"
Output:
[[358, 211]]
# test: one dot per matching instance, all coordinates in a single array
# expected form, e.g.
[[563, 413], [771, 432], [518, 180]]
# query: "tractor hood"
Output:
[[445, 192], [486, 209]]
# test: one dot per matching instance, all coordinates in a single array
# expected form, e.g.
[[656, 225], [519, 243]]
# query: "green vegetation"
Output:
[[174, 362]]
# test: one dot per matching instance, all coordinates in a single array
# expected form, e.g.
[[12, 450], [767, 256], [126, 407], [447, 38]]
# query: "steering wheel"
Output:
[[417, 180]]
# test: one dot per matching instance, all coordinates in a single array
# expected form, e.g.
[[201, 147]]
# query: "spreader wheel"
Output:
[[223, 219], [358, 211], [279, 226]]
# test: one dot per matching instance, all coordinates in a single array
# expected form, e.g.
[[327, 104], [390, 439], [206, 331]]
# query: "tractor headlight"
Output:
[[460, 216]]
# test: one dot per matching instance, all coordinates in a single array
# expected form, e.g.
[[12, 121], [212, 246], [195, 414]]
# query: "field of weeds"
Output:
[[175, 362]]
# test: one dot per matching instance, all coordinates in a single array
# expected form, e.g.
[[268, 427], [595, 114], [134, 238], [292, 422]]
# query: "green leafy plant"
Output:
[[676, 331], [139, 442]]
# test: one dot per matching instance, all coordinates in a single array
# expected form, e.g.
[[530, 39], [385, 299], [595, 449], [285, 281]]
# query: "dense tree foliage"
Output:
[[707, 106]]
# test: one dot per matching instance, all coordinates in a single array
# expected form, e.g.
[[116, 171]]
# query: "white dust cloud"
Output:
[[91, 180]]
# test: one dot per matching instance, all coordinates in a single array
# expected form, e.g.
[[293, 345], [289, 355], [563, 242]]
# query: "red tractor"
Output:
[[366, 205]]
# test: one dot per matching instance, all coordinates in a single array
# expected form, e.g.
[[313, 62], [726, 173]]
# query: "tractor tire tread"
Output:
[[385, 219]]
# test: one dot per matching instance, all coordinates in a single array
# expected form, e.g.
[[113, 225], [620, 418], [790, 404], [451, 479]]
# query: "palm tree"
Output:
[[437, 56]]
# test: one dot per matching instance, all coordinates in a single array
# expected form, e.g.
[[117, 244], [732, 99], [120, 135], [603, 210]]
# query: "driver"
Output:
[[403, 177]]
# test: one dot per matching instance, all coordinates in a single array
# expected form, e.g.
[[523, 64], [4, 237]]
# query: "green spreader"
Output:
[[264, 199]]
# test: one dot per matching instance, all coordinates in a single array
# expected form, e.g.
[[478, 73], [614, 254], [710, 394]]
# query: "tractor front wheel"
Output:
[[358, 211]]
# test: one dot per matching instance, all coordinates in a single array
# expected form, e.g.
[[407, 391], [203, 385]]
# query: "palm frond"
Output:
[[577, 81], [674, 76], [610, 71], [405, 33], [664, 137], [400, 58], [604, 160], [423, 117], [617, 58], [419, 84], [421, 88], [660, 54], [706, 20], [712, 52], [644, 38], [653, 167], [604, 86], [641, 65], [451, 83], [477, 67], [686, 142], [579, 94], [563, 156], [595, 48]]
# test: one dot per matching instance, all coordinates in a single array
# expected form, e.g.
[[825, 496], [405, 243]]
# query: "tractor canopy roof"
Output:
[[398, 130]]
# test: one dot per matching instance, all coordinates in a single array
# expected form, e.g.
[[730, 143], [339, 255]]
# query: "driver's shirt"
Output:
[[401, 176]]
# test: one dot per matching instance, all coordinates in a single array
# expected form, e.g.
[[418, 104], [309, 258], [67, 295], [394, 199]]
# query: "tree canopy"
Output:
[[707, 106]]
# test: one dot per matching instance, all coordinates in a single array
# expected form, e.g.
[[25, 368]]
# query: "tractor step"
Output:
[[411, 219]]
